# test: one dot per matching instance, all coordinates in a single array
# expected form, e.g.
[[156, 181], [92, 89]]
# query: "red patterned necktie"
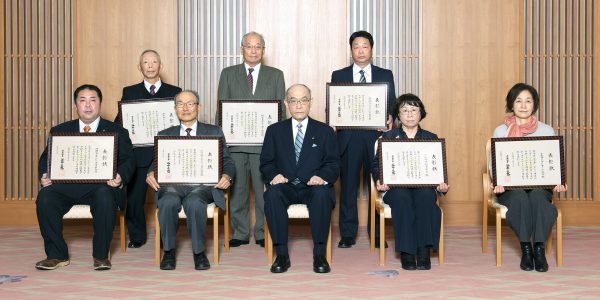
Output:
[[250, 79]]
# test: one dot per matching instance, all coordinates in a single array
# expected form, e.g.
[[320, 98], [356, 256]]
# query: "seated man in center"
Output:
[[194, 199], [299, 164]]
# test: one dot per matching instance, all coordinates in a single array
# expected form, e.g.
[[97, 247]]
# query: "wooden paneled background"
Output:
[[459, 56]]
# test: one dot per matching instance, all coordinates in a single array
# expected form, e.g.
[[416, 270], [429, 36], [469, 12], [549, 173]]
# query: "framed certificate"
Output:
[[528, 162], [357, 105], [184, 160], [412, 162], [82, 157], [245, 122], [145, 118]]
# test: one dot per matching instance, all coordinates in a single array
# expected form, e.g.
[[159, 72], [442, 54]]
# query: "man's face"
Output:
[[252, 50], [186, 107], [150, 66], [361, 51], [87, 104], [298, 102]]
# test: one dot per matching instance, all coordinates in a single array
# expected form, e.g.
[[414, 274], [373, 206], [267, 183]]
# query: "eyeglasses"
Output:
[[255, 47], [294, 101], [182, 105], [406, 112]]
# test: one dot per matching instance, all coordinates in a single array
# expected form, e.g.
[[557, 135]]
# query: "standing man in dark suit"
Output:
[[193, 199], [152, 87], [300, 163], [55, 200], [249, 80], [356, 146]]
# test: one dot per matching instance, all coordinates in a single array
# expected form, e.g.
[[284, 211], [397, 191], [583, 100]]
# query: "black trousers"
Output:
[[54, 201], [416, 218], [320, 201], [530, 213], [136, 198]]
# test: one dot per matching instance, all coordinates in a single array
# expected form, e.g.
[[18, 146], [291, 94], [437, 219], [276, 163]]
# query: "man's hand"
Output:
[[45, 181], [389, 123], [382, 187], [151, 181], [278, 179], [560, 188], [499, 189], [224, 182], [442, 187], [316, 180], [115, 182]]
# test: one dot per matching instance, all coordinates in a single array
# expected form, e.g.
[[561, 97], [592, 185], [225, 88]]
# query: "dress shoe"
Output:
[[320, 264], [133, 244], [169, 260], [346, 242], [51, 264], [423, 258], [261, 242], [201, 262], [237, 243], [539, 257], [408, 261], [281, 264], [526, 256], [102, 264]]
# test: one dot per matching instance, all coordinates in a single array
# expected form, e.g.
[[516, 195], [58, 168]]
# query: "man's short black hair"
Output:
[[362, 34], [90, 87]]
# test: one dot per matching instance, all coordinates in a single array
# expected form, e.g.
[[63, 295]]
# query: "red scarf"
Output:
[[515, 130]]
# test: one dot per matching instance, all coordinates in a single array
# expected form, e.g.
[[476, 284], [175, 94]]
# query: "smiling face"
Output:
[[150, 66], [361, 51], [87, 105], [523, 106], [298, 102], [252, 50], [186, 106]]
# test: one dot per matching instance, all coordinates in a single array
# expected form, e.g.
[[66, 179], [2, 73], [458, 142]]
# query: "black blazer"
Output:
[[319, 155], [143, 155], [125, 161]]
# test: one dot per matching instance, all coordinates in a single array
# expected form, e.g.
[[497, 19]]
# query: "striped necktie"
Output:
[[250, 79], [362, 76], [298, 141], [153, 90]]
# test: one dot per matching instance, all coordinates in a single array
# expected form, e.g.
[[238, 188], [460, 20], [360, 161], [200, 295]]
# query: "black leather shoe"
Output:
[[201, 262], [169, 260], [261, 242], [526, 256], [539, 257], [320, 264], [408, 261], [102, 264], [423, 258], [281, 264], [346, 242], [377, 243], [133, 244], [237, 243]]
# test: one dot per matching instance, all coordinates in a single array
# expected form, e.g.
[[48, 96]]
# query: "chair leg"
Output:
[[122, 231], [484, 229], [268, 244], [156, 239], [226, 229], [441, 244], [372, 229], [498, 238], [329, 246], [381, 237], [216, 235], [559, 239]]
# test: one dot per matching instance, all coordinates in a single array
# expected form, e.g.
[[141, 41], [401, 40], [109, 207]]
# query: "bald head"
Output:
[[298, 101]]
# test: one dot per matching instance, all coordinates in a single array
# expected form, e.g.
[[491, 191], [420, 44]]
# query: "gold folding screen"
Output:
[[557, 57], [37, 68]]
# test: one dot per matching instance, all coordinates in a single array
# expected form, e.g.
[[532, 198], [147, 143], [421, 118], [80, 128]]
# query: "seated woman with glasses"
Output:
[[415, 214], [531, 213]]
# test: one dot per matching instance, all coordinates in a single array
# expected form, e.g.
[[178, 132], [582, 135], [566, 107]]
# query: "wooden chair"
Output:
[[212, 211], [295, 211], [490, 204], [385, 212], [83, 212]]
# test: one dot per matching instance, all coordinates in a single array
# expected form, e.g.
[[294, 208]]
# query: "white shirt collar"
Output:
[[156, 85], [295, 126], [194, 127], [356, 69], [93, 125]]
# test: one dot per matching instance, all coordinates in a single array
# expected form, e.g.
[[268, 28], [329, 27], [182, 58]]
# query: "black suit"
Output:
[[356, 152], [318, 156], [55, 200], [136, 189]]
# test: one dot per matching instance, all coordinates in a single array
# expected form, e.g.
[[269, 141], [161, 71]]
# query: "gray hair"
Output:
[[295, 85], [262, 39], [189, 91], [150, 51]]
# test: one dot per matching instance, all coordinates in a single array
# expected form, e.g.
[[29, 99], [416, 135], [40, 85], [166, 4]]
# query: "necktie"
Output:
[[362, 76], [188, 130], [298, 141], [250, 79], [86, 129], [152, 90]]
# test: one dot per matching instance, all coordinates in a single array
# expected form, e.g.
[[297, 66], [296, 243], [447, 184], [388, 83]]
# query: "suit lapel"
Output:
[[243, 80]]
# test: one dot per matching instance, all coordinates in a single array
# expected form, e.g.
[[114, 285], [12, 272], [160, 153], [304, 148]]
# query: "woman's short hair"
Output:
[[514, 92], [408, 99]]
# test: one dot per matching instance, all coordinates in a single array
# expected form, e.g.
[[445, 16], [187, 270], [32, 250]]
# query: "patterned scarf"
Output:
[[515, 130]]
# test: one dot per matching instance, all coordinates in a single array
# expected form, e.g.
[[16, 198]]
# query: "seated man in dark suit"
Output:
[[152, 87], [194, 199], [300, 163], [55, 200]]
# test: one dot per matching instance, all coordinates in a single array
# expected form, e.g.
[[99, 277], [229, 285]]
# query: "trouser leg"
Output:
[[401, 203], [103, 208], [259, 203], [136, 198], [544, 214], [169, 205], [427, 218], [194, 205], [320, 205], [240, 198], [350, 163], [51, 206], [519, 214], [277, 201]]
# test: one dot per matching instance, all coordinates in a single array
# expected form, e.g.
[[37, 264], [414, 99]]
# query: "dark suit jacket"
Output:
[[125, 161], [227, 162], [233, 86], [319, 155], [377, 75], [143, 155]]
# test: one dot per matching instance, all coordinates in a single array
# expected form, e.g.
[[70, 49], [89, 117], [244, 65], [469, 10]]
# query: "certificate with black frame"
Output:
[[528, 162], [144, 118], [245, 122], [82, 157], [357, 105], [412, 163], [187, 160]]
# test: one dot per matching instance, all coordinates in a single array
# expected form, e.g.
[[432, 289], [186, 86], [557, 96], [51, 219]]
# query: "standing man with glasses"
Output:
[[250, 80], [152, 87], [356, 146]]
